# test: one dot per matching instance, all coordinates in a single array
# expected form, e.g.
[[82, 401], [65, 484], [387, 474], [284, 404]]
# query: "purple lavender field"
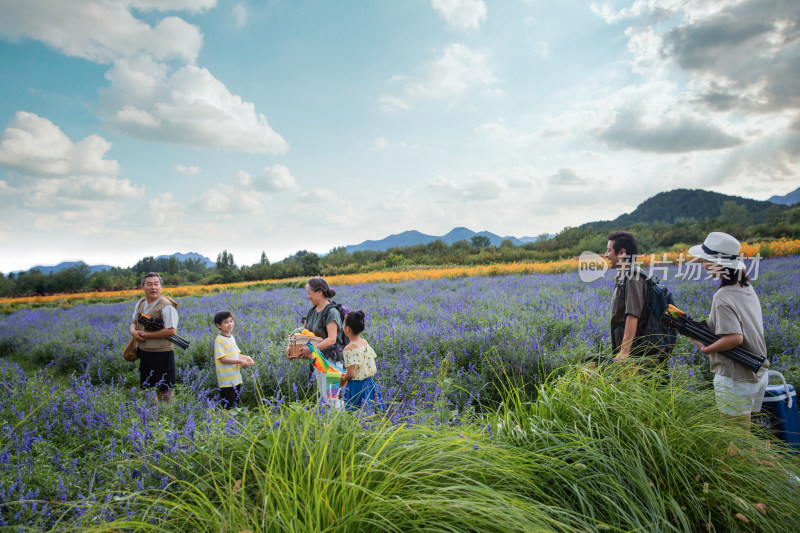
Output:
[[74, 427], [478, 327]]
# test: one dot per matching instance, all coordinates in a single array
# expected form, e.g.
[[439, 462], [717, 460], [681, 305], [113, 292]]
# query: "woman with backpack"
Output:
[[324, 319], [736, 319]]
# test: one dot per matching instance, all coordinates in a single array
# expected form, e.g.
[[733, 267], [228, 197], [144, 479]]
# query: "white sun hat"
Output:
[[719, 248]]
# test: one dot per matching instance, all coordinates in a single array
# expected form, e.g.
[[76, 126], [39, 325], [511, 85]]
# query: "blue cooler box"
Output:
[[780, 403]]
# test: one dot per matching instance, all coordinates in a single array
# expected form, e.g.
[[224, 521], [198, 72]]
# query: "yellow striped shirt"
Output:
[[227, 375]]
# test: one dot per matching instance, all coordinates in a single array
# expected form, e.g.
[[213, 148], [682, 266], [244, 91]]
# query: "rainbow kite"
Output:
[[322, 364], [333, 373]]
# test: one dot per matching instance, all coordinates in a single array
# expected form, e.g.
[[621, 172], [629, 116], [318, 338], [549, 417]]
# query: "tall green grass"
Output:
[[592, 452]]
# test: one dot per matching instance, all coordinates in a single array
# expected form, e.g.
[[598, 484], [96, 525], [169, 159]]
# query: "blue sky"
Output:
[[142, 127]]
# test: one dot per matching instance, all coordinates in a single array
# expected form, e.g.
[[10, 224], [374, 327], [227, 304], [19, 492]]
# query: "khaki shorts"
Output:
[[739, 398]]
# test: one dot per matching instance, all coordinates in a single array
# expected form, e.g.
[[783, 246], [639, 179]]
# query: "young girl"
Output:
[[359, 360]]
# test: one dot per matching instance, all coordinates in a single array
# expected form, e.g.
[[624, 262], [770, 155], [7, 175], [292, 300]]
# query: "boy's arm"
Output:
[[237, 359]]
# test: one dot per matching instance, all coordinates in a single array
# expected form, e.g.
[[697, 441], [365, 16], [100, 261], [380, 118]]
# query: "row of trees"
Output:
[[570, 242]]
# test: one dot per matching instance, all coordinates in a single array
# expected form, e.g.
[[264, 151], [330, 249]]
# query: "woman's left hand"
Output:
[[697, 343]]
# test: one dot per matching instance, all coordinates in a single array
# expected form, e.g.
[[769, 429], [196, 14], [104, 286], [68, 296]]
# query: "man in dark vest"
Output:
[[156, 356], [630, 292]]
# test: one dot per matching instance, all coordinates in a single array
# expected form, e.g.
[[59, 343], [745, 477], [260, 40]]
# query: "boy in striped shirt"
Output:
[[228, 358]]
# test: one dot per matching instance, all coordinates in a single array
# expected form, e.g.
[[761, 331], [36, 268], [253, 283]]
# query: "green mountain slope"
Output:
[[691, 204]]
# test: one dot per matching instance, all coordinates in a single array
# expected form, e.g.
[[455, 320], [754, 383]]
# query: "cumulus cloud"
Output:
[[164, 211], [192, 6], [148, 97], [747, 54], [277, 178], [458, 70], [183, 169], [35, 146], [52, 193], [333, 210], [567, 177], [5, 189], [771, 159], [500, 134], [229, 199], [479, 186], [103, 31], [189, 106], [240, 14], [461, 14], [392, 103], [741, 54], [246, 193], [670, 135]]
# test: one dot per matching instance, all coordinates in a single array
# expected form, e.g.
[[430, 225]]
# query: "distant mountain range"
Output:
[[191, 255], [99, 268], [66, 264], [670, 206], [696, 204], [787, 199], [412, 238]]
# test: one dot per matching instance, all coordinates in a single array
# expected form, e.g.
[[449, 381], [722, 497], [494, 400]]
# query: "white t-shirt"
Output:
[[168, 314]]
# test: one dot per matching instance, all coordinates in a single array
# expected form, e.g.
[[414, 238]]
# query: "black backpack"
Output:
[[653, 337], [334, 353]]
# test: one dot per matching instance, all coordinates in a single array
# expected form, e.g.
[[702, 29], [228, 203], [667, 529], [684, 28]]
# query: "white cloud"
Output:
[[272, 179], [567, 177], [458, 70], [247, 193], [50, 193], [240, 14], [35, 146], [683, 133], [6, 190], [278, 178], [332, 209], [500, 134], [229, 200], [461, 14], [392, 103], [542, 49], [189, 107], [103, 31], [382, 144], [146, 99], [192, 6], [164, 211], [183, 169], [479, 186], [660, 9]]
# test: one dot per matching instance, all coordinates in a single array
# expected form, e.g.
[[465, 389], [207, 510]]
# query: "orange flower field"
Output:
[[781, 247]]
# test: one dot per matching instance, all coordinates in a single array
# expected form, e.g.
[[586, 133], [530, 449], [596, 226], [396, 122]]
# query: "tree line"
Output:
[[570, 242]]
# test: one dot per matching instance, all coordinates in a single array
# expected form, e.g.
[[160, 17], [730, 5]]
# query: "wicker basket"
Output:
[[298, 341]]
